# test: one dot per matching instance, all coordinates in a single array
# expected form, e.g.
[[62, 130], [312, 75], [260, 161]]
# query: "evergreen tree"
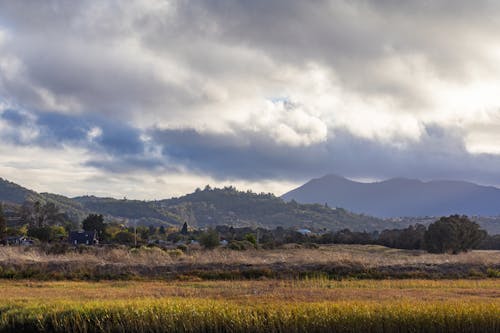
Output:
[[184, 229]]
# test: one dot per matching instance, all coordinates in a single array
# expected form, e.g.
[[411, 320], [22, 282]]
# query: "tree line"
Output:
[[452, 234]]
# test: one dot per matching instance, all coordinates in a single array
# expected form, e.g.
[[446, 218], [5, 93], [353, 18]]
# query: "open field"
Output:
[[316, 305], [334, 261]]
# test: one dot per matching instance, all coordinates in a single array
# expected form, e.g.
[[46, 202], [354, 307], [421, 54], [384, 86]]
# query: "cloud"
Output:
[[440, 154], [255, 92]]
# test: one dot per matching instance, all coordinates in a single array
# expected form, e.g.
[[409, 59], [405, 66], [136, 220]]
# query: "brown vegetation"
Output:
[[244, 291], [335, 261]]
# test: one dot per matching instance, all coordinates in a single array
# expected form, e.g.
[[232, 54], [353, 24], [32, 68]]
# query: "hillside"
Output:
[[203, 208], [231, 207], [228, 206], [16, 194], [400, 197]]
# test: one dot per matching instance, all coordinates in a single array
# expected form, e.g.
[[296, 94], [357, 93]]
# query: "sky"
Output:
[[150, 99]]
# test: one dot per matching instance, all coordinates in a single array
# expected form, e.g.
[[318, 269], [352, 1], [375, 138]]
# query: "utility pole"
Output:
[[135, 233]]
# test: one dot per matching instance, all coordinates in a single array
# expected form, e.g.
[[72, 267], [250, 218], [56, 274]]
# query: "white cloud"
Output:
[[93, 133], [292, 73], [63, 171]]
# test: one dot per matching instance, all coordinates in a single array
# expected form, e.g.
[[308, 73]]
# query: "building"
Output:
[[83, 238], [17, 240], [304, 232]]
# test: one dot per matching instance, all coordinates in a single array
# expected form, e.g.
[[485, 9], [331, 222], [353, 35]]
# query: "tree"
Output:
[[152, 230], [209, 239], [46, 233], [251, 238], [94, 222], [41, 215], [124, 237], [453, 234], [143, 232], [162, 230], [410, 238], [184, 229], [3, 224]]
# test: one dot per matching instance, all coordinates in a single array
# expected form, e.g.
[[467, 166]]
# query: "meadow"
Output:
[[309, 305], [292, 262], [339, 288]]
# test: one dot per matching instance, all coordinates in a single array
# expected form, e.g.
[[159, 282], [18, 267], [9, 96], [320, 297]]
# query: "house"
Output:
[[304, 232], [17, 240], [83, 238]]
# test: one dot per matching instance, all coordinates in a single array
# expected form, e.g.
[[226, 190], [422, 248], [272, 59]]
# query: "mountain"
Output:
[[400, 197], [208, 207]]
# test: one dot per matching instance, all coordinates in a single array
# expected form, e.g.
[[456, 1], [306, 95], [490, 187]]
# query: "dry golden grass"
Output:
[[317, 305], [311, 290], [336, 262], [368, 256]]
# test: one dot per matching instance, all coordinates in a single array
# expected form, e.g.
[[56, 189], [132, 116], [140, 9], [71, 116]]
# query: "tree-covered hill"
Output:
[[232, 207], [16, 194], [202, 208]]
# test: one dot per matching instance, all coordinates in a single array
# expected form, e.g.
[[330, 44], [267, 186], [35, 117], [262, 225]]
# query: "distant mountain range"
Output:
[[208, 207], [400, 197]]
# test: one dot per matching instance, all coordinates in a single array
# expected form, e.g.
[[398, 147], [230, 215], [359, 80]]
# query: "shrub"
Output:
[[58, 248], [209, 239], [182, 247], [240, 245], [251, 238], [124, 237], [493, 273]]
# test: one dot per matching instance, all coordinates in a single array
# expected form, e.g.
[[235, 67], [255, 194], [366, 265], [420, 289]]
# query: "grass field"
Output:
[[328, 289], [311, 305], [335, 261]]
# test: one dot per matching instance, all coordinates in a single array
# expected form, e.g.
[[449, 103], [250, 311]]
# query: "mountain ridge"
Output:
[[400, 197]]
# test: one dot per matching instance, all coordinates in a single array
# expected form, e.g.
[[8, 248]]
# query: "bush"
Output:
[[175, 253], [182, 247], [251, 238], [209, 239], [58, 248], [124, 237], [240, 245]]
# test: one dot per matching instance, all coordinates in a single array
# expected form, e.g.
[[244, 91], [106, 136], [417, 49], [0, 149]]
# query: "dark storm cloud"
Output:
[[53, 129], [439, 155]]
